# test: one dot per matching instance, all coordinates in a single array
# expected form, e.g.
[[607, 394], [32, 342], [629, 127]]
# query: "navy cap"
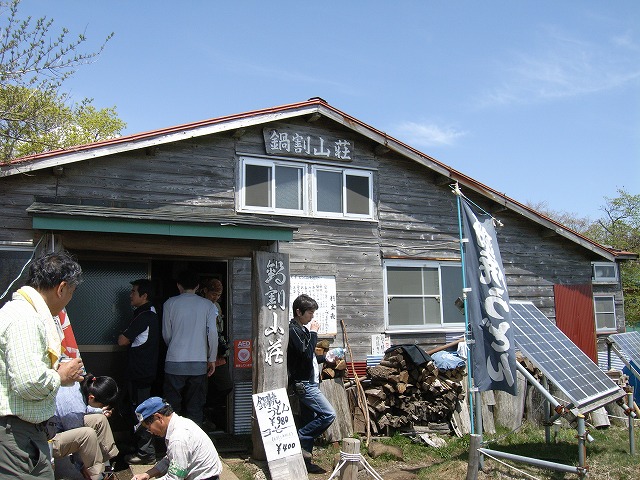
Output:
[[147, 408]]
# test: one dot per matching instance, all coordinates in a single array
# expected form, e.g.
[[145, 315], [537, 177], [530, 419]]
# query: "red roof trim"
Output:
[[319, 102]]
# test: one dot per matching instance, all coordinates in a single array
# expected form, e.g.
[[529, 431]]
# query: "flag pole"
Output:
[[467, 331]]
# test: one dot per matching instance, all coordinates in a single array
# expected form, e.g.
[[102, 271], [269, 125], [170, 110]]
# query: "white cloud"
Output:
[[565, 66], [427, 134]]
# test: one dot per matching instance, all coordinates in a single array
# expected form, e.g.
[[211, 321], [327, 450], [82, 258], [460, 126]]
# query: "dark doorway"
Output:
[[164, 273]]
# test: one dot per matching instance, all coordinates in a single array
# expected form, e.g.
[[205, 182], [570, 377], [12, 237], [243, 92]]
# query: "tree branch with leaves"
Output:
[[35, 116]]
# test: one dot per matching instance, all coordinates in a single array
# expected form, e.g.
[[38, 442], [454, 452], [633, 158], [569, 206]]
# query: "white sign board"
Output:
[[379, 343], [277, 428], [323, 290]]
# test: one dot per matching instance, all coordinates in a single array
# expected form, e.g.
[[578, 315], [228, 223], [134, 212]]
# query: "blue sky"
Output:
[[539, 100]]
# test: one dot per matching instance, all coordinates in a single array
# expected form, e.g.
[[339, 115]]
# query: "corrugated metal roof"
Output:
[[309, 107]]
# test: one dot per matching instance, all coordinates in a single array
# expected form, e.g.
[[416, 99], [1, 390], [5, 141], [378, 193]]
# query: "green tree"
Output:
[[619, 228], [35, 116]]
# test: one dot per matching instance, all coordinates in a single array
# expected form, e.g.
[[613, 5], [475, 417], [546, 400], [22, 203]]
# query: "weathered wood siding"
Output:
[[416, 217]]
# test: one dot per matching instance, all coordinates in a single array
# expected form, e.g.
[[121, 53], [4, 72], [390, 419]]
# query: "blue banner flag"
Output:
[[493, 354]]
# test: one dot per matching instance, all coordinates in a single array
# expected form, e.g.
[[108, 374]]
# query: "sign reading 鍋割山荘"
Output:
[[288, 141]]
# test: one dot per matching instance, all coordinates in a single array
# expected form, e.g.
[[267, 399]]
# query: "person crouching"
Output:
[[191, 454]]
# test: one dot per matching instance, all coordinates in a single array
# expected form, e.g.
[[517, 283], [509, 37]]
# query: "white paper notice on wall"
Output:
[[379, 343], [277, 428], [323, 290]]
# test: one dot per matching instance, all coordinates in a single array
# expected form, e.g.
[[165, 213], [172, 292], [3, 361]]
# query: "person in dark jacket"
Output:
[[317, 414], [143, 335]]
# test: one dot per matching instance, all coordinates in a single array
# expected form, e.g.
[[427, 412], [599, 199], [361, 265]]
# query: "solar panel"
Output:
[[628, 344], [560, 360]]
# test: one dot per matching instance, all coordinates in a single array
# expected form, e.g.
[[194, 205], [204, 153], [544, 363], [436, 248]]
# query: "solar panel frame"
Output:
[[560, 360], [629, 345]]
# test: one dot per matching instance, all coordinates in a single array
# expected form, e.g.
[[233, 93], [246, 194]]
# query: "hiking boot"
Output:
[[313, 468]]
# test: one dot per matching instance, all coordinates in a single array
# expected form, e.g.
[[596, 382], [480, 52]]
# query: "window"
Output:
[[341, 192], [604, 272], [605, 310], [421, 295], [281, 187], [273, 187]]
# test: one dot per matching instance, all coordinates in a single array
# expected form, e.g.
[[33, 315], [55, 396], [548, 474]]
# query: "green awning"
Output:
[[174, 223]]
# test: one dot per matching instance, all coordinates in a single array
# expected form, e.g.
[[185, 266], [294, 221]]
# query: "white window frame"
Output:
[[425, 327], [613, 311], [596, 279], [345, 172], [308, 186], [244, 161]]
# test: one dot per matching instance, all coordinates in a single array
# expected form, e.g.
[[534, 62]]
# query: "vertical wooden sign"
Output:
[[271, 283]]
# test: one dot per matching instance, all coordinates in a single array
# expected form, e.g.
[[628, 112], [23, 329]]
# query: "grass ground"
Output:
[[608, 457]]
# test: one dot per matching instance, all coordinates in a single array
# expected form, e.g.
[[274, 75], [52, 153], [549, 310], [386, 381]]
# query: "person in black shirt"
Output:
[[143, 335], [316, 412]]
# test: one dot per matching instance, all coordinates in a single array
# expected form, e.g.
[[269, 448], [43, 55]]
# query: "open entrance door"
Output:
[[220, 383]]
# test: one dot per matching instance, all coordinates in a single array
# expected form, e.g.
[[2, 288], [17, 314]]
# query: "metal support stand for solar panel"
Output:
[[560, 410], [629, 342], [576, 376], [549, 400]]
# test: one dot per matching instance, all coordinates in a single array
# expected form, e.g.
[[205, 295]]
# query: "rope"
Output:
[[510, 466], [360, 395], [355, 458], [23, 268]]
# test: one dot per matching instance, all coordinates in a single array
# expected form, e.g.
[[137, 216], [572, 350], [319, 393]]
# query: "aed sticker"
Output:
[[242, 354]]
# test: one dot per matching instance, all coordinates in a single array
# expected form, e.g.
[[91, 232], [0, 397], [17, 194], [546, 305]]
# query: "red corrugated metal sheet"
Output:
[[360, 368], [576, 318]]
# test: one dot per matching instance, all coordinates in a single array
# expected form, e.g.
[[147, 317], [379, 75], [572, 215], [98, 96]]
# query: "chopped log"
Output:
[[328, 373], [380, 373], [509, 409], [341, 365], [599, 418], [402, 394], [342, 427]]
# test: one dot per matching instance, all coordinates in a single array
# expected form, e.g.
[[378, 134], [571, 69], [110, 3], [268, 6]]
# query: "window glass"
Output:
[[422, 294], [102, 301], [605, 313], [431, 282], [257, 185], [405, 311], [358, 194], [296, 188], [288, 187], [431, 311], [605, 272], [451, 290], [404, 281], [329, 194]]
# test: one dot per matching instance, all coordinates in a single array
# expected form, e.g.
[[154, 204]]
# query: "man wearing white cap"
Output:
[[190, 452]]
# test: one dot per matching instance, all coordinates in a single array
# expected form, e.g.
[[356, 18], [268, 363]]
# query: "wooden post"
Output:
[[349, 471], [270, 286], [474, 457]]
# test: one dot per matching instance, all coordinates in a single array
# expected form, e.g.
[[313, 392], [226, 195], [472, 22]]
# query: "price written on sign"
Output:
[[277, 428]]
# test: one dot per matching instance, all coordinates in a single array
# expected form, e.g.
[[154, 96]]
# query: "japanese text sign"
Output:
[[277, 428]]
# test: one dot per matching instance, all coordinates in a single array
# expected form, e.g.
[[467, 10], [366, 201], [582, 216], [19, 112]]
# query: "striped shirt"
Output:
[[28, 384]]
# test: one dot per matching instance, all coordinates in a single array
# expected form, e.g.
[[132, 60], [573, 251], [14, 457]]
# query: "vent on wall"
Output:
[[242, 407]]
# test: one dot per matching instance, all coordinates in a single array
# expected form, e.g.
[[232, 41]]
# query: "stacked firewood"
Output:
[[401, 394], [332, 367]]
